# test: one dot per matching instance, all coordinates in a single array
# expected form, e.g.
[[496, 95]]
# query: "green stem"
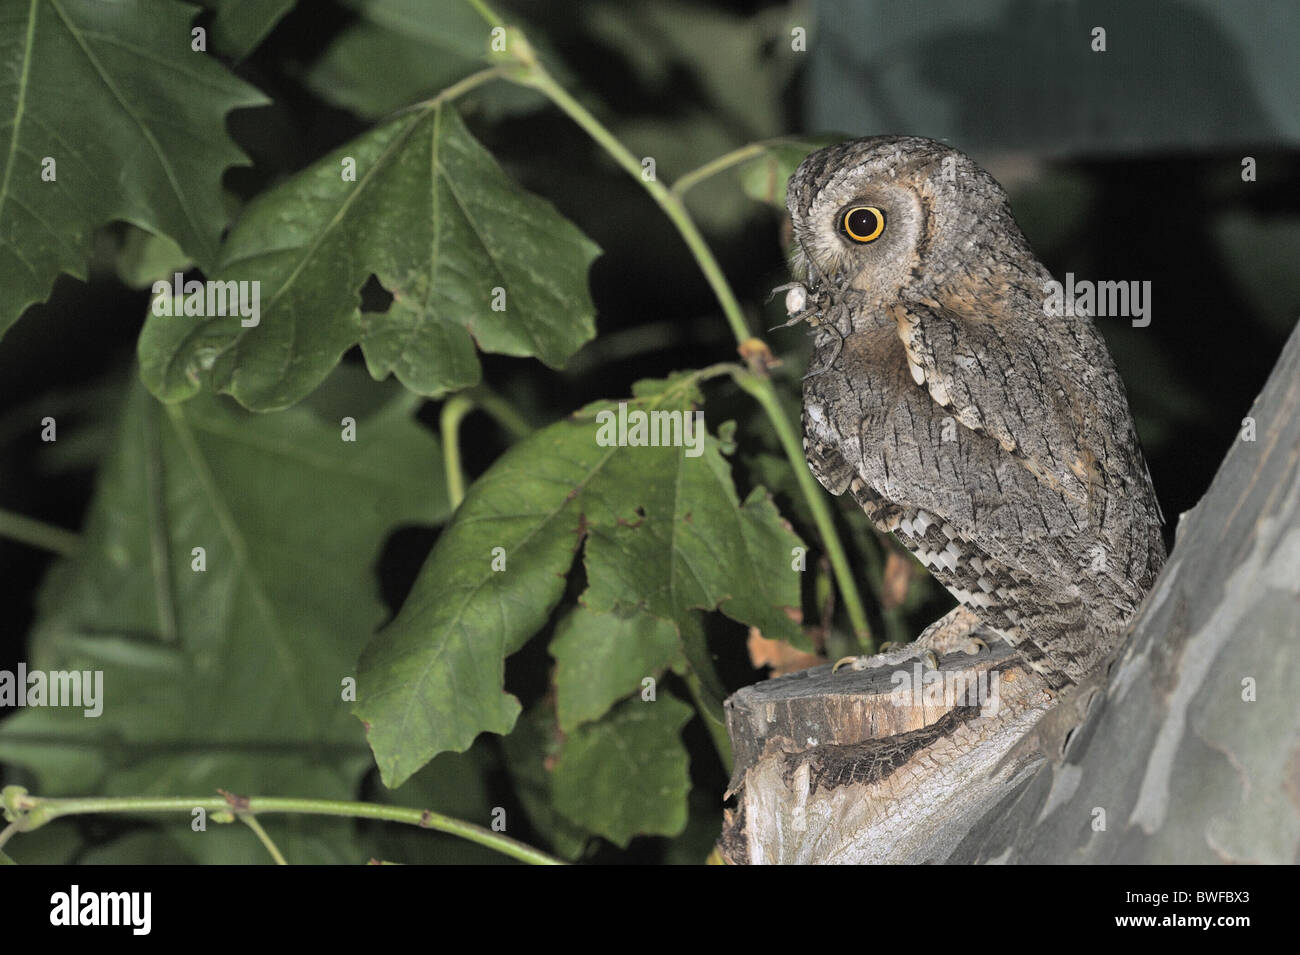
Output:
[[765, 395], [28, 530], [717, 727], [693, 178], [760, 386], [453, 412], [671, 204], [501, 410], [33, 812], [459, 88], [485, 12], [271, 847]]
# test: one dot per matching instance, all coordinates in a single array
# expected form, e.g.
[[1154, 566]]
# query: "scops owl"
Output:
[[991, 438]]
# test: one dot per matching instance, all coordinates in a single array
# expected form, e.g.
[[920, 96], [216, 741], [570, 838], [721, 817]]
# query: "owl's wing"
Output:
[[1043, 389]]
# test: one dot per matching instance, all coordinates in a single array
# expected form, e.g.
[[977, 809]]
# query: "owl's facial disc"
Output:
[[891, 216], [861, 232]]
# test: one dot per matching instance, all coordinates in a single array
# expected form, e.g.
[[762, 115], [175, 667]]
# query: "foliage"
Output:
[[395, 475], [225, 580]]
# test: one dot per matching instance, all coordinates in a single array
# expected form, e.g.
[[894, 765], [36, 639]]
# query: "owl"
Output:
[[989, 435]]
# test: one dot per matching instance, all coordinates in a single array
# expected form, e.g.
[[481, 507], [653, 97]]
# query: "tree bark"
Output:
[[1186, 748]]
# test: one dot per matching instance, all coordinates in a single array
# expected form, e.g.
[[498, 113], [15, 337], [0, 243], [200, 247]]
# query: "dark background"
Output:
[[1122, 165]]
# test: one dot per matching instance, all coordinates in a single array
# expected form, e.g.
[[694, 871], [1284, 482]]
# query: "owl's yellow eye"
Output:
[[864, 223]]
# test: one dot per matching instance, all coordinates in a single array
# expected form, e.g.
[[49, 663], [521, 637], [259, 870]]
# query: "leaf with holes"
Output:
[[468, 256]]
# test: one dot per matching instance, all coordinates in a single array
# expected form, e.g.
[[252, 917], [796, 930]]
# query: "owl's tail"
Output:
[[1054, 674], [1061, 640]]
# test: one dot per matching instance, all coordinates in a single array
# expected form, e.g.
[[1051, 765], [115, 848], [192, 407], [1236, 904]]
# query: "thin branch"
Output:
[[502, 411], [34, 533], [32, 812], [690, 180], [533, 74], [453, 412], [266, 840]]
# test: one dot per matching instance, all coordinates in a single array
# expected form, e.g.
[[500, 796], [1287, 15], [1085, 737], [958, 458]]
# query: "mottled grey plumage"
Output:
[[992, 439]]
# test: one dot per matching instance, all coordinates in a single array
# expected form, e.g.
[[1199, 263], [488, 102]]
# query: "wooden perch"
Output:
[[1186, 750]]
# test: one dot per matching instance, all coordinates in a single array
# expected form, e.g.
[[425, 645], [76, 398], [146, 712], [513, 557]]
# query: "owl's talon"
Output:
[[929, 657], [974, 646]]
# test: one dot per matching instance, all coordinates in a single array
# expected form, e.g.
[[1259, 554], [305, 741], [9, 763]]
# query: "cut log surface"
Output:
[[1185, 749]]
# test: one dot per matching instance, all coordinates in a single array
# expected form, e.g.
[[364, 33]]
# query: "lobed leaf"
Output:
[[241, 25], [230, 676], [665, 535], [602, 657], [468, 256], [134, 122], [627, 774]]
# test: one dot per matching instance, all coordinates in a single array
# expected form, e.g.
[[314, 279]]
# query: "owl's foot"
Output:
[[927, 656], [958, 630]]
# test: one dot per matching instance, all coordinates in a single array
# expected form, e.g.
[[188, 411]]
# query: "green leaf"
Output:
[[144, 258], [627, 775], [231, 676], [304, 840], [149, 847], [454, 784], [764, 177], [240, 25], [58, 843], [530, 751], [727, 58], [602, 657], [708, 551], [444, 230], [134, 121], [425, 46], [665, 533]]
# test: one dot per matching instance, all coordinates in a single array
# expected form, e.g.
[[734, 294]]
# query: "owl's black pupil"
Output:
[[862, 222]]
